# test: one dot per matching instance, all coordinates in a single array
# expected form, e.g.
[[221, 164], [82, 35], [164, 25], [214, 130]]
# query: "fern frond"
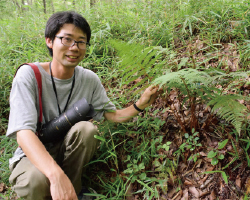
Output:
[[192, 77], [138, 61], [229, 108], [204, 84]]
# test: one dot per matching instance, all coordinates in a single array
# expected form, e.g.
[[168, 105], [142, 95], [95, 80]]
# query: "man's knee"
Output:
[[86, 130], [38, 181], [28, 181]]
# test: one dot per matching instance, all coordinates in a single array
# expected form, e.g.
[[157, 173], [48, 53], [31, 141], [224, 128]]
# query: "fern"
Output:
[[138, 61], [229, 108], [202, 85]]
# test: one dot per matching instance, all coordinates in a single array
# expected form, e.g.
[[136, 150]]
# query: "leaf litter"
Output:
[[189, 180], [230, 176]]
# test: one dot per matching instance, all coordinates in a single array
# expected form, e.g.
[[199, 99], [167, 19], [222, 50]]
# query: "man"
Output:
[[53, 170]]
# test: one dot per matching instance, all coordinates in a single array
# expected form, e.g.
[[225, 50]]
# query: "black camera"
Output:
[[57, 128]]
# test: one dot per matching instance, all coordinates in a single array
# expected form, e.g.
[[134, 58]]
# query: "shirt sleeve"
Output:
[[23, 102], [100, 100]]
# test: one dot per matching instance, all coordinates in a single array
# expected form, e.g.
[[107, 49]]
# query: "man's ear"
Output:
[[49, 42]]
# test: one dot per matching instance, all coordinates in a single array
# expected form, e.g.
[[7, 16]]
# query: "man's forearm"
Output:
[[37, 153], [122, 115], [147, 98]]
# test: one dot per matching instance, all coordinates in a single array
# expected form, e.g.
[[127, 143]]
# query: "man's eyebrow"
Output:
[[68, 34]]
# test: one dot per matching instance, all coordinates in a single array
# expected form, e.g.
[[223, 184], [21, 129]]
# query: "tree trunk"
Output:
[[52, 6], [44, 6], [66, 5], [23, 5], [92, 3], [16, 3]]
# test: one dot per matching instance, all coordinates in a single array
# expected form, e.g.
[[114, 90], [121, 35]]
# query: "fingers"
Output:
[[155, 89]]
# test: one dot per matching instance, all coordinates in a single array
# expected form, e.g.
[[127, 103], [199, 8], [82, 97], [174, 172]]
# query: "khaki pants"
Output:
[[72, 154]]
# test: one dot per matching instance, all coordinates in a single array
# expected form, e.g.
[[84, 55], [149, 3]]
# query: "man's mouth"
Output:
[[73, 57]]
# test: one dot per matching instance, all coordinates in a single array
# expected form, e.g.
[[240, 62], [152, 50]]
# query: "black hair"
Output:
[[57, 20]]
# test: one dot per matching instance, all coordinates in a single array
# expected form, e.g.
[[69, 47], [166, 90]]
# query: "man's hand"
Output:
[[148, 97], [61, 188]]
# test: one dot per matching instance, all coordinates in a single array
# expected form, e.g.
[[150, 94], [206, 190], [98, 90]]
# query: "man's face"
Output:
[[66, 56]]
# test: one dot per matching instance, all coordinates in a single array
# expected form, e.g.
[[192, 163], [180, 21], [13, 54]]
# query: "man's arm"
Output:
[[60, 185], [147, 98]]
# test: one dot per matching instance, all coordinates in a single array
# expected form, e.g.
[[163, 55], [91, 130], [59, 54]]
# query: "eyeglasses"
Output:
[[69, 42]]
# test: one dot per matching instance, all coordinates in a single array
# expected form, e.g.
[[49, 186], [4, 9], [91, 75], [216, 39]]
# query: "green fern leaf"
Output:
[[229, 108], [138, 61]]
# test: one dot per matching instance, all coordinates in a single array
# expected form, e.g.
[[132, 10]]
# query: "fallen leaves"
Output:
[[248, 186], [2, 187]]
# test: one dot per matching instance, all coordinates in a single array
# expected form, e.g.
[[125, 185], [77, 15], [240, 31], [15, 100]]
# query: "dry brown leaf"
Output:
[[129, 193], [235, 64], [212, 196], [203, 154], [173, 95], [194, 191], [205, 193], [178, 195], [248, 186], [199, 44], [248, 107], [172, 192], [238, 181], [2, 187], [187, 182], [185, 195]]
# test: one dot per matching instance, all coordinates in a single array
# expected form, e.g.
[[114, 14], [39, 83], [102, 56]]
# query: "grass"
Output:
[[134, 157]]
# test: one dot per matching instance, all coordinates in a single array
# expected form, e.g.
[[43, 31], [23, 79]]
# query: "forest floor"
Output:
[[229, 172], [189, 180]]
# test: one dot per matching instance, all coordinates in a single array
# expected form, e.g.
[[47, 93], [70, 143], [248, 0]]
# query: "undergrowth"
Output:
[[198, 51]]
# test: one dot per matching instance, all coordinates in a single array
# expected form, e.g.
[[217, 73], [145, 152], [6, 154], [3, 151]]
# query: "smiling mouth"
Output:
[[73, 57]]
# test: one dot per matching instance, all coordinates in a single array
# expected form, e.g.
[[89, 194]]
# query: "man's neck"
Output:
[[61, 72], [58, 71]]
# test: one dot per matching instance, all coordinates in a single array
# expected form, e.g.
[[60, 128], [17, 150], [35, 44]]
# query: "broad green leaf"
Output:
[[211, 154], [221, 157], [214, 161], [143, 176], [141, 166], [222, 144], [128, 171]]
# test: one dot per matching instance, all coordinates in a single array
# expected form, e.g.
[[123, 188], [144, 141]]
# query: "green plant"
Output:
[[7, 148], [201, 86], [191, 141], [149, 59], [190, 144], [224, 176], [216, 155], [148, 191], [165, 146], [135, 169], [150, 37], [246, 149]]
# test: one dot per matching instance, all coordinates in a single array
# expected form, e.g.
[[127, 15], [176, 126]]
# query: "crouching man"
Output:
[[53, 170]]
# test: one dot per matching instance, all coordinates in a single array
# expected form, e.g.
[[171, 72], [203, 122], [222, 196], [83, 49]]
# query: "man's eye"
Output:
[[82, 42], [68, 39]]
